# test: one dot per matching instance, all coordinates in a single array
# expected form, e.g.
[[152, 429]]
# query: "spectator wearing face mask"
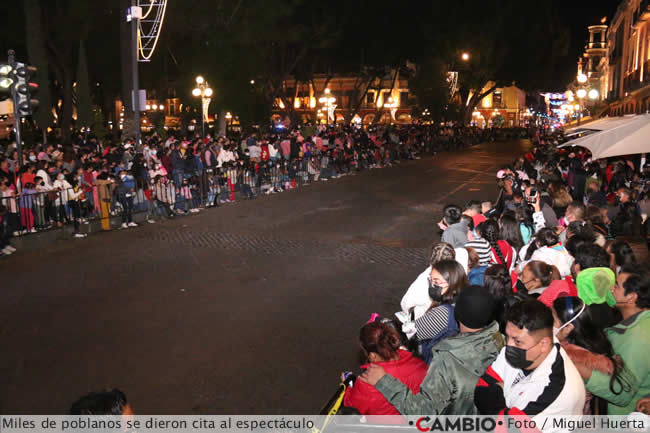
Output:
[[536, 277], [416, 298], [532, 376], [446, 281]]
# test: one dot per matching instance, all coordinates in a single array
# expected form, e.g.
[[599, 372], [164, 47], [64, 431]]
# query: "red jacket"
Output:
[[368, 401]]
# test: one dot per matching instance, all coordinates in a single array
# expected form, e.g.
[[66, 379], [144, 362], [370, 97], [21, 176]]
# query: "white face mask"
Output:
[[556, 331]]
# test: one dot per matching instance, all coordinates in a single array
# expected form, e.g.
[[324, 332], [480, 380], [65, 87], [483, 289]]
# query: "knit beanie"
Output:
[[474, 307], [595, 286]]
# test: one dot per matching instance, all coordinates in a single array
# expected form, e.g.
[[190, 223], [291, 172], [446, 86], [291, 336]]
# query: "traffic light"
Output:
[[24, 89]]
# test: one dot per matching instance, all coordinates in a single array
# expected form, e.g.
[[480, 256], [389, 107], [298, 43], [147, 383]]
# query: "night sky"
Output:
[[579, 14]]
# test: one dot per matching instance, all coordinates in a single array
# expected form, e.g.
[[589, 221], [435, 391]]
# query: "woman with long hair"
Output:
[[502, 252], [446, 280], [524, 215], [498, 283], [511, 231], [580, 330], [621, 254], [381, 345]]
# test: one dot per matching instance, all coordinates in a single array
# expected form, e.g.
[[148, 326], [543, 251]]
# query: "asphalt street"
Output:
[[250, 308]]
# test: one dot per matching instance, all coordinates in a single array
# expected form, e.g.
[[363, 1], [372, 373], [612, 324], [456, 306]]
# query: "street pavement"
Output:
[[250, 308]]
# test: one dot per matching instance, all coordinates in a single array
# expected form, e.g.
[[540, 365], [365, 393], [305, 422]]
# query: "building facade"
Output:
[[626, 73], [345, 98], [506, 106]]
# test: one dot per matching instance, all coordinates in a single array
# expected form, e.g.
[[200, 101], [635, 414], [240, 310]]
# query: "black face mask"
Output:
[[435, 293], [516, 357]]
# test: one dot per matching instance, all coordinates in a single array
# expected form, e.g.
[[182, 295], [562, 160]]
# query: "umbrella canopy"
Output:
[[614, 136]]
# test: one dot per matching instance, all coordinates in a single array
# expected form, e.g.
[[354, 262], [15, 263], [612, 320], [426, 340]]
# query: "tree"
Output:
[[429, 85], [82, 90], [99, 125], [503, 47], [38, 58]]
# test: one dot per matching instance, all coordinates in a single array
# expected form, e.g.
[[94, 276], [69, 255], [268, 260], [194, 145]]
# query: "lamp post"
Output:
[[205, 92], [581, 93], [228, 118], [327, 100]]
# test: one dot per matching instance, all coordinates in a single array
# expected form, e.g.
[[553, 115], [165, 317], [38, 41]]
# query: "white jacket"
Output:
[[417, 295], [225, 156], [63, 194]]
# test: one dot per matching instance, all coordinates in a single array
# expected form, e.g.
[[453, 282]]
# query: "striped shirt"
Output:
[[483, 249], [432, 323]]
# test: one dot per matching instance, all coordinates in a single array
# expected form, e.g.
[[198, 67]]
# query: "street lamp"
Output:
[[593, 94], [465, 56], [581, 93], [327, 100], [205, 92], [582, 78]]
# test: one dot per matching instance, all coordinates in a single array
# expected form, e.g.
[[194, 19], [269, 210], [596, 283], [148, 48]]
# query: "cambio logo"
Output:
[[456, 424]]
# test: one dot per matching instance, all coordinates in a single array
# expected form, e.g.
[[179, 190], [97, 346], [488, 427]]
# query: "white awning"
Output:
[[613, 136]]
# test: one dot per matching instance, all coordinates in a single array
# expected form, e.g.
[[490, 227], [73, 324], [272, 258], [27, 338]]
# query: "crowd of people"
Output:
[[93, 180], [533, 304]]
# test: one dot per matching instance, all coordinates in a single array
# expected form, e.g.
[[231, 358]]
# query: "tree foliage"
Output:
[[37, 57], [231, 42]]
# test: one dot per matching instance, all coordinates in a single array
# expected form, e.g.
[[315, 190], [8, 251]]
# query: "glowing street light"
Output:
[[465, 56], [593, 94], [327, 100], [581, 93], [582, 78], [205, 92]]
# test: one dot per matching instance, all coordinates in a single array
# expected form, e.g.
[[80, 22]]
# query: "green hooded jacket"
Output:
[[448, 388], [630, 340]]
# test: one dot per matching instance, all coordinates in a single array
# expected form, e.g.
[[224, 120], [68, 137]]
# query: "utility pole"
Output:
[[134, 15], [17, 116]]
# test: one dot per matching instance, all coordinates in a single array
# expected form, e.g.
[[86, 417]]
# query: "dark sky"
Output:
[[578, 15]]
